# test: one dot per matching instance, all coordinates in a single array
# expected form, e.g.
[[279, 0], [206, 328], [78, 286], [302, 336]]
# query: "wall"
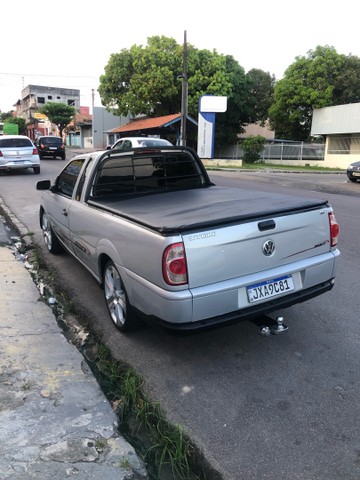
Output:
[[339, 160], [104, 121]]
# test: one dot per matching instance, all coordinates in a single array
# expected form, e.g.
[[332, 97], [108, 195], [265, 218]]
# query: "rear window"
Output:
[[154, 143], [138, 175], [15, 142], [51, 141]]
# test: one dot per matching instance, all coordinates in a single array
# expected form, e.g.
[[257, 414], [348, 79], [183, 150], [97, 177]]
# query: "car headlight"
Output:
[[350, 167]]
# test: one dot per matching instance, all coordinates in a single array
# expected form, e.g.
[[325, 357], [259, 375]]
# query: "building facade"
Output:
[[33, 97], [340, 127]]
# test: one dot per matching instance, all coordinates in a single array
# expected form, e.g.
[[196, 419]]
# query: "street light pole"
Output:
[[184, 96]]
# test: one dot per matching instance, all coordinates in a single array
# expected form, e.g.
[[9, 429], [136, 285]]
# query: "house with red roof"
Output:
[[166, 126]]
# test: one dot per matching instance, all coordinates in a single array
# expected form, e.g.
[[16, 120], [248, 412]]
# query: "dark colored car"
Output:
[[51, 147], [353, 172]]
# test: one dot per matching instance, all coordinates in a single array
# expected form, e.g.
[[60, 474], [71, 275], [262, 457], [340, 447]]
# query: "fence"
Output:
[[295, 151], [278, 151]]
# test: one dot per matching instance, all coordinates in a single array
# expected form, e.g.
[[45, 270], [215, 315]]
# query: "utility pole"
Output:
[[184, 95], [92, 100]]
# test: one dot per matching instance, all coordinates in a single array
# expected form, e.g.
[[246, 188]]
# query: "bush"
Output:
[[253, 146]]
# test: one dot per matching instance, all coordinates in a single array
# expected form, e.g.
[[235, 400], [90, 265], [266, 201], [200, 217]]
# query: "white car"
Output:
[[139, 142], [18, 152]]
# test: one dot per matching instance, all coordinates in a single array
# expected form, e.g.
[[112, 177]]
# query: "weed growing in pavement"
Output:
[[38, 259], [125, 464], [166, 444], [100, 444], [26, 386]]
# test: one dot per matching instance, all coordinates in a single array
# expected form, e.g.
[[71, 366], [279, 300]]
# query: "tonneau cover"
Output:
[[201, 208]]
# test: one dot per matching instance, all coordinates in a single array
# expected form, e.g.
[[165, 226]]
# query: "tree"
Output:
[[58, 113], [260, 95], [145, 80], [321, 79], [347, 84]]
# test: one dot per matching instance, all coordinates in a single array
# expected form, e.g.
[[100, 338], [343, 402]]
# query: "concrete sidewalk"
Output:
[[55, 422]]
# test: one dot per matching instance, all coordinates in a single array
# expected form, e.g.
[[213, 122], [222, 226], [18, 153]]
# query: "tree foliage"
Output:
[[58, 113], [322, 78], [146, 80], [253, 146], [260, 95]]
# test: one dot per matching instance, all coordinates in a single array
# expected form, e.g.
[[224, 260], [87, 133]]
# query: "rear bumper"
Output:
[[18, 165], [244, 314], [227, 301]]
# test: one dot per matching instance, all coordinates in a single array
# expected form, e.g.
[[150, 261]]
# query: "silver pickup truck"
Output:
[[169, 246]]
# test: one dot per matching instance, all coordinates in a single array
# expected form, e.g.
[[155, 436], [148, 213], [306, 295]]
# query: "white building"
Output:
[[340, 127]]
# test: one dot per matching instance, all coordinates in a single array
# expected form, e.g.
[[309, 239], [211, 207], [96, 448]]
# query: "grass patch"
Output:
[[270, 166], [165, 446], [306, 168]]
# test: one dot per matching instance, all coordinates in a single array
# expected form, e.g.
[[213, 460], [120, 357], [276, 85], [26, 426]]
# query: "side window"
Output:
[[82, 181], [65, 182], [127, 144]]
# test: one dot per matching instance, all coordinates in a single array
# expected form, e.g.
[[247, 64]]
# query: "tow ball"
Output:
[[275, 328]]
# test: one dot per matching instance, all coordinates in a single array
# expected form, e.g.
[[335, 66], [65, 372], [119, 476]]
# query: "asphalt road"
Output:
[[282, 407]]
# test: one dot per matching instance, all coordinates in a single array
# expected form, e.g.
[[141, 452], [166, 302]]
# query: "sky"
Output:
[[68, 43]]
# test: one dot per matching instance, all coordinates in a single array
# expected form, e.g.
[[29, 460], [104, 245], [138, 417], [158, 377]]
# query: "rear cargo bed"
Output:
[[196, 209]]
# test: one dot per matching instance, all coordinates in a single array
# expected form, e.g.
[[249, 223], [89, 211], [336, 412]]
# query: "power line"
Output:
[[46, 75]]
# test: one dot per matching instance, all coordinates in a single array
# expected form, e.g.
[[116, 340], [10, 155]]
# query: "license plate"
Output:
[[270, 288], [356, 174], [52, 148]]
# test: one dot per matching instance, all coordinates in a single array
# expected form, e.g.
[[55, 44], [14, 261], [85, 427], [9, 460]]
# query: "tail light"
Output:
[[334, 229], [1, 155], [35, 151], [174, 265]]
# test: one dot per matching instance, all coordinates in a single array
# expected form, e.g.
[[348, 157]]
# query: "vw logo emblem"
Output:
[[268, 248]]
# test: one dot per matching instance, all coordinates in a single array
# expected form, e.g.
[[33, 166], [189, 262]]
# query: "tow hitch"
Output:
[[269, 326]]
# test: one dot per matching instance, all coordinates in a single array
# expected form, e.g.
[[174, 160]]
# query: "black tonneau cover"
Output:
[[203, 208]]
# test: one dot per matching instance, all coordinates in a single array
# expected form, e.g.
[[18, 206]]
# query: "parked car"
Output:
[[50, 146], [139, 142], [18, 152], [353, 172], [170, 247]]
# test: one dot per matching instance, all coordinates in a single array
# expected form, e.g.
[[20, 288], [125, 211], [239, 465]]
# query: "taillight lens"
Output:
[[35, 151], [1, 155], [334, 229], [174, 265]]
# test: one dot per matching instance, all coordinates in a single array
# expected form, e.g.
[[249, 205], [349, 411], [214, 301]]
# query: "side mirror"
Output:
[[43, 185]]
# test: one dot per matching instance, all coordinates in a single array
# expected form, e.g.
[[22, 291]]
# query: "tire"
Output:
[[63, 157], [120, 310], [36, 170], [51, 241]]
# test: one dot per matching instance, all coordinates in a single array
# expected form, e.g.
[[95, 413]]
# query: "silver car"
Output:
[[18, 152], [127, 143]]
